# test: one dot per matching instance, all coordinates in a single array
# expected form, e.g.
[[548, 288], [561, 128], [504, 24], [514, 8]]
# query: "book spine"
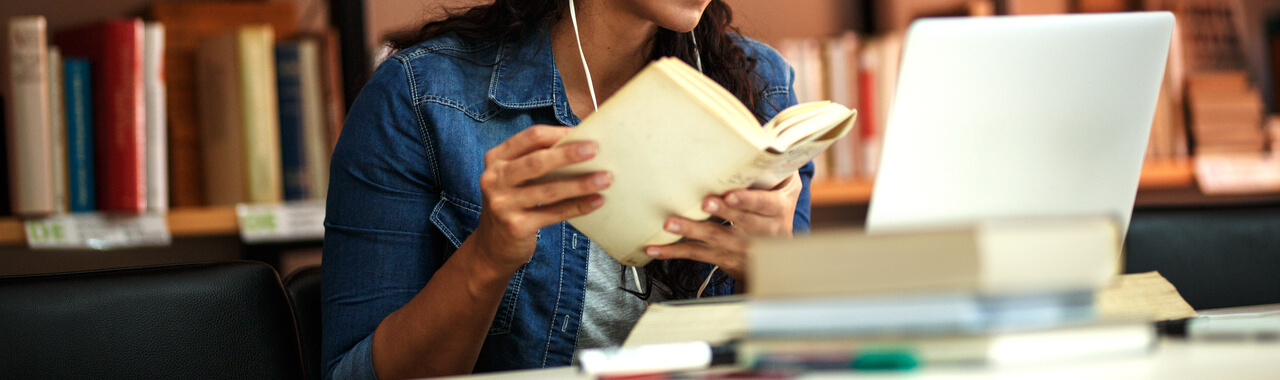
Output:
[[30, 140], [261, 115], [79, 107], [57, 132], [334, 103], [315, 131], [292, 156], [220, 109], [157, 169], [114, 48]]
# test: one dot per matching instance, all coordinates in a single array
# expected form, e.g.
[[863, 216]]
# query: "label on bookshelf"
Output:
[[97, 231], [1238, 173], [292, 221]]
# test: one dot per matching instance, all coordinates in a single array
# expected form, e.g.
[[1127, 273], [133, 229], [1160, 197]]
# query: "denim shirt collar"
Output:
[[525, 77]]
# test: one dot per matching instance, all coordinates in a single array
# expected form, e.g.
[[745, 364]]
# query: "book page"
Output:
[[712, 323], [1143, 295]]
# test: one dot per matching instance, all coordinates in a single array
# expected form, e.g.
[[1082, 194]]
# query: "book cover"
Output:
[[115, 50], [187, 25], [79, 105], [996, 257], [30, 138], [57, 132], [292, 146], [704, 142], [315, 132], [240, 128], [157, 118]]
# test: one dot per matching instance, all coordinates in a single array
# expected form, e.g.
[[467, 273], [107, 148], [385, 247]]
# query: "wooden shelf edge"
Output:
[[190, 222], [1156, 175]]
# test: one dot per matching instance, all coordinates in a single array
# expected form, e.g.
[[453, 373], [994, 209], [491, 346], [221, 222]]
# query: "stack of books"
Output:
[[1000, 293], [1226, 113]]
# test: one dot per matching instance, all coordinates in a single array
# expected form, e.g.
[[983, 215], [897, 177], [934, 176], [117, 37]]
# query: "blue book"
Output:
[[79, 108], [292, 145]]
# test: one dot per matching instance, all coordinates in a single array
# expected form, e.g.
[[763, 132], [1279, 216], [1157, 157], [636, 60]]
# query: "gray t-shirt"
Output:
[[609, 313]]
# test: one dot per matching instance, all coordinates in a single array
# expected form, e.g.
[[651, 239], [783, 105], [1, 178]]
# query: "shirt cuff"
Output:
[[357, 363]]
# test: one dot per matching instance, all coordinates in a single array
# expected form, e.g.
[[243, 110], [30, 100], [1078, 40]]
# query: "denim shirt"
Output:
[[404, 194]]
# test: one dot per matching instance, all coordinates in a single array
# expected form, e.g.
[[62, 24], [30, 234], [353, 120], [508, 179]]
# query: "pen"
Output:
[[1226, 327]]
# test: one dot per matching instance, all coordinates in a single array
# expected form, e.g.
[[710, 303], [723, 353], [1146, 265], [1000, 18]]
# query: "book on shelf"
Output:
[[292, 120], [30, 147], [240, 126], [6, 207], [703, 142], [57, 132], [79, 105], [114, 49], [187, 24], [157, 142], [304, 131], [996, 257]]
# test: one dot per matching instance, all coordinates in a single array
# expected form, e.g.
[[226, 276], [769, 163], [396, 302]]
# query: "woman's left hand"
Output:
[[752, 213]]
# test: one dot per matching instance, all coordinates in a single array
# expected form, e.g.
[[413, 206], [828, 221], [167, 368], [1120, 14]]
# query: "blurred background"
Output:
[[1206, 217]]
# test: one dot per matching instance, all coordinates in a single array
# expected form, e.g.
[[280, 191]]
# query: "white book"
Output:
[[58, 133], [702, 142], [157, 169], [30, 137]]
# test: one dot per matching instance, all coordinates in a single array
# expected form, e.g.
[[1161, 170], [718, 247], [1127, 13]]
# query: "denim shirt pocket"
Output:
[[457, 219]]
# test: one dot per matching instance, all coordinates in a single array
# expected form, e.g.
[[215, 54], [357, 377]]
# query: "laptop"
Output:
[[1020, 117]]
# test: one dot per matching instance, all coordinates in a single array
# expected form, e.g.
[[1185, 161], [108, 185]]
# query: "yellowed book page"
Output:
[[712, 323], [1143, 295], [715, 97], [666, 154]]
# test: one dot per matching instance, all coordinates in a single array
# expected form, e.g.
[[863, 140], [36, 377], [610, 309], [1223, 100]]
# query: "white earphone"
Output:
[[591, 88]]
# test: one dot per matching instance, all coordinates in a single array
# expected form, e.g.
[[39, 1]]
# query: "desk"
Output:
[[1173, 359]]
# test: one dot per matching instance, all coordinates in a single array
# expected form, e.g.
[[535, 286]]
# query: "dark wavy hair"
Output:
[[723, 61]]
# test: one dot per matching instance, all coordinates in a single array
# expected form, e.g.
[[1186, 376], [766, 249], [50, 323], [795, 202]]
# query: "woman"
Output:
[[440, 258]]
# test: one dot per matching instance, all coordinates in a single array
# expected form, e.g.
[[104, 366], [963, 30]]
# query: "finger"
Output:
[[760, 202], [541, 162], [691, 250], [712, 233], [528, 140], [746, 220], [555, 191], [564, 210]]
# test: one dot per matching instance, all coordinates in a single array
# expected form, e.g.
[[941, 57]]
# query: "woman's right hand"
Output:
[[515, 209]]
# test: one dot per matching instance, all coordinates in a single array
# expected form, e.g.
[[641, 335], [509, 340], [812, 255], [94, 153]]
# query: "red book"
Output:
[[114, 50]]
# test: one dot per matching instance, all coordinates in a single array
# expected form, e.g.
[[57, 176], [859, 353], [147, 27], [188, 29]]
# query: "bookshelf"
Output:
[[186, 222], [1157, 175]]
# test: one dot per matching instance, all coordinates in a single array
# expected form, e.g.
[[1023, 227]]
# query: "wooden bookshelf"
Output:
[[1155, 175], [190, 222]]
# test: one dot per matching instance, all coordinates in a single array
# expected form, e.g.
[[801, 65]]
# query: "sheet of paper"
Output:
[[713, 323], [1143, 295]]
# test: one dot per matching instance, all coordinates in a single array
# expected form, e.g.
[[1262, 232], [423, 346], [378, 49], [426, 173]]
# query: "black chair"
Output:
[[1216, 257], [303, 286], [227, 320]]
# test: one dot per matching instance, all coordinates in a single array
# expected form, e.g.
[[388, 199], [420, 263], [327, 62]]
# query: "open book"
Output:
[[670, 137]]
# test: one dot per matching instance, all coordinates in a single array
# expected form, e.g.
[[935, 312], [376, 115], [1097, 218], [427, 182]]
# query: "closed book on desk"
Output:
[[240, 128], [115, 50], [670, 137], [990, 258]]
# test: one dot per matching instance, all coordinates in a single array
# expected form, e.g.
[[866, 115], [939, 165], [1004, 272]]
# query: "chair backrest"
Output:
[[303, 286], [227, 320]]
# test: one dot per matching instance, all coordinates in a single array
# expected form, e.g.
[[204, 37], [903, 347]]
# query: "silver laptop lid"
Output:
[[1020, 117]]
